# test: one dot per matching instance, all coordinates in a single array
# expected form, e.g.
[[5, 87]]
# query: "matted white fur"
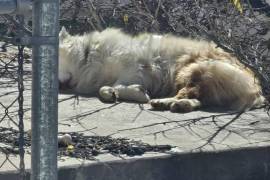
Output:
[[190, 73]]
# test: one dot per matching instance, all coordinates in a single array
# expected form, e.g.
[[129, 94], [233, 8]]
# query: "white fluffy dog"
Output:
[[184, 73]]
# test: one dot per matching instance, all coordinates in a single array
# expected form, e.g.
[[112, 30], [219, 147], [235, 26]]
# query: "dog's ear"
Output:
[[63, 34]]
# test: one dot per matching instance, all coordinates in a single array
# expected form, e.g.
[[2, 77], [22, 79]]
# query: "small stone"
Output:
[[65, 140], [95, 152]]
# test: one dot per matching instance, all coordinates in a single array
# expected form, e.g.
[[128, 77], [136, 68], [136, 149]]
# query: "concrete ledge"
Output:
[[239, 164]]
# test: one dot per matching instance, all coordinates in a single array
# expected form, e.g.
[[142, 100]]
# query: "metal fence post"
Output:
[[45, 89]]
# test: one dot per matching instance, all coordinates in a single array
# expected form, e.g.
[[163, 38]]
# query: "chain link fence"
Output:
[[246, 35], [15, 78], [13, 83]]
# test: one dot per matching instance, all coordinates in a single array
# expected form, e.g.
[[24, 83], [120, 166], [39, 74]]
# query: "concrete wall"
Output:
[[245, 164]]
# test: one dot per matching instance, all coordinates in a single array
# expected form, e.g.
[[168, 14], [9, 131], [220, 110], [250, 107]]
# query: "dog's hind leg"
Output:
[[133, 92], [187, 99], [175, 105], [185, 105], [162, 104], [184, 101]]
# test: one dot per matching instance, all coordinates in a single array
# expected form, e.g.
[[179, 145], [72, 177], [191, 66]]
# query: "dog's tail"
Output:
[[249, 102], [259, 101]]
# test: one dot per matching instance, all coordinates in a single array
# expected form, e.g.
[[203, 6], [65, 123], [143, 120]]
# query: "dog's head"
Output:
[[66, 64]]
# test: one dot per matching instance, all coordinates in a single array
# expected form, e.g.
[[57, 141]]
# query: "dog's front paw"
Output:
[[139, 93], [107, 94]]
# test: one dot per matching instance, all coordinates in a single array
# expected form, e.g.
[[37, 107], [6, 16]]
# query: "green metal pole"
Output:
[[45, 89]]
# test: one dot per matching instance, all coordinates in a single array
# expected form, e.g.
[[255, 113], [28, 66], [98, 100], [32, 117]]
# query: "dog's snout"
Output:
[[61, 85], [65, 84]]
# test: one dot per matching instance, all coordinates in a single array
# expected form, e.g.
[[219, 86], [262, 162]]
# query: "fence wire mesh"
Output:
[[246, 35], [14, 79], [12, 106]]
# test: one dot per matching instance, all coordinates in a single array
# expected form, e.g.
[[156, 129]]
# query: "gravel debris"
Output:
[[83, 147]]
